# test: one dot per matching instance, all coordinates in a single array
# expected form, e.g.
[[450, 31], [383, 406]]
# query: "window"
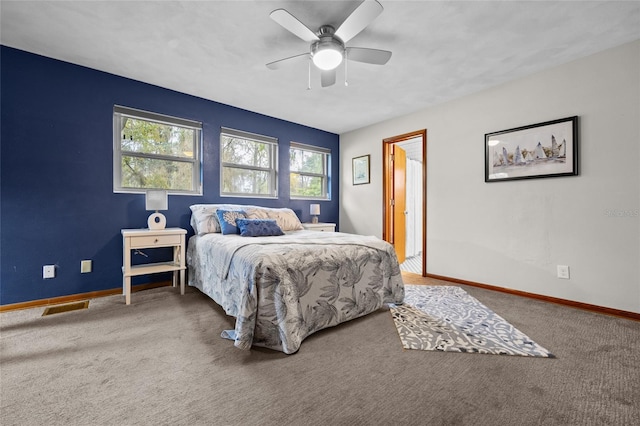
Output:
[[153, 151], [309, 171], [248, 164]]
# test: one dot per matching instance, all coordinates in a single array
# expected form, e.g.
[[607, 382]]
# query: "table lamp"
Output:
[[314, 210], [156, 199]]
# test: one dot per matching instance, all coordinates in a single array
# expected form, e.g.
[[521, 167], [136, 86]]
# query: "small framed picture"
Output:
[[548, 149], [361, 170]]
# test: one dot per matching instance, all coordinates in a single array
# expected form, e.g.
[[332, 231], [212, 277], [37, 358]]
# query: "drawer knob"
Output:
[[156, 240]]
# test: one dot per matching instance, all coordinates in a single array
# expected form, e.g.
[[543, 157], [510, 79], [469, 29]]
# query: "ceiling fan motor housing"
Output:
[[328, 44]]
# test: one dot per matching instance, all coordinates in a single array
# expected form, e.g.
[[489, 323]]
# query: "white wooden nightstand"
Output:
[[322, 227], [133, 239]]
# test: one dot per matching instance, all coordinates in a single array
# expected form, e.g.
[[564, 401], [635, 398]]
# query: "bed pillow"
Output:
[[284, 217], [227, 219], [258, 227], [204, 219]]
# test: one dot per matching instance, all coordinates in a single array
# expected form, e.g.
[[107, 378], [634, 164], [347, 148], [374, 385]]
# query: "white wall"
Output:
[[513, 234]]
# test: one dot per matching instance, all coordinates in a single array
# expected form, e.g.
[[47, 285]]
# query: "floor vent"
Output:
[[65, 308]]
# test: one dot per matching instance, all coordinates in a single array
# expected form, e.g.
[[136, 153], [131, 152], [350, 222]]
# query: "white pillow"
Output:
[[204, 219], [284, 217]]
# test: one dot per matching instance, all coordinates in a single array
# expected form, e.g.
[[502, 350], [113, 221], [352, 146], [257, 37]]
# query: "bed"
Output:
[[282, 288]]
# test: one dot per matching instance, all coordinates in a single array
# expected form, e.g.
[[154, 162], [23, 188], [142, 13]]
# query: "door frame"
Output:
[[387, 189]]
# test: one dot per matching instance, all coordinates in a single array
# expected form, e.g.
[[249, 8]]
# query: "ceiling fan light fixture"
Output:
[[328, 52], [327, 57]]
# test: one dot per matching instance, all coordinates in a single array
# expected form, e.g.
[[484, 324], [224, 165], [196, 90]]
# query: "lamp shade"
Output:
[[314, 209], [156, 199]]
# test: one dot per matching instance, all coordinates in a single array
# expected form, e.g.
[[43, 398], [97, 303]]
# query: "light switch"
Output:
[[85, 266]]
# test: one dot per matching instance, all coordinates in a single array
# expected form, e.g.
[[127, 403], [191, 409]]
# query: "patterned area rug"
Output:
[[448, 319]]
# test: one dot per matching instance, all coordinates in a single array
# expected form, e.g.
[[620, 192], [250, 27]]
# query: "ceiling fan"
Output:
[[328, 50]]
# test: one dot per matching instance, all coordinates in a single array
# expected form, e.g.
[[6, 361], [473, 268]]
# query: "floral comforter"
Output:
[[282, 289]]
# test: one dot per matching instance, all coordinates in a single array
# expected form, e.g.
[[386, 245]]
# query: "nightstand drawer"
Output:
[[154, 241], [328, 228], [320, 227]]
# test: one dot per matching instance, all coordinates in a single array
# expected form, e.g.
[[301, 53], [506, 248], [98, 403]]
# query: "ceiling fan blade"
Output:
[[292, 24], [328, 78], [276, 65], [359, 19], [368, 56]]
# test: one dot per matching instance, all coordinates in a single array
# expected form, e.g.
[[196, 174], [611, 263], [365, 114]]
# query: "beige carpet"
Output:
[[161, 361]]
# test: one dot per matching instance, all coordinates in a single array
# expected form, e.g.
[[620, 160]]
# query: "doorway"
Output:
[[405, 198]]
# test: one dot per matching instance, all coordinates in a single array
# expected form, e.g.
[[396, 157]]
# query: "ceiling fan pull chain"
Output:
[[346, 67], [309, 76]]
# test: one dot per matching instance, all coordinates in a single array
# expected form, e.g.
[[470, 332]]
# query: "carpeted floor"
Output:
[[162, 361]]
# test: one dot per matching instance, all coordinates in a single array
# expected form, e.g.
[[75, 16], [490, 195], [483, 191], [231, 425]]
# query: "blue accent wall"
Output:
[[57, 204]]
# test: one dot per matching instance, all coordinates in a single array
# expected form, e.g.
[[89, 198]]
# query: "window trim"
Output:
[[325, 176], [273, 170], [137, 114]]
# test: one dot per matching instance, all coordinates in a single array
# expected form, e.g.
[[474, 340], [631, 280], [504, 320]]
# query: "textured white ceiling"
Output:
[[217, 50]]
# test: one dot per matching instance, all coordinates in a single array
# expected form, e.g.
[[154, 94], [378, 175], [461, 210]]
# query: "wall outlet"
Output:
[[48, 271], [563, 272], [85, 266]]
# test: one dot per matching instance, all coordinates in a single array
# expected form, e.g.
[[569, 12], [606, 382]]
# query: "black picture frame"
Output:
[[548, 149]]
